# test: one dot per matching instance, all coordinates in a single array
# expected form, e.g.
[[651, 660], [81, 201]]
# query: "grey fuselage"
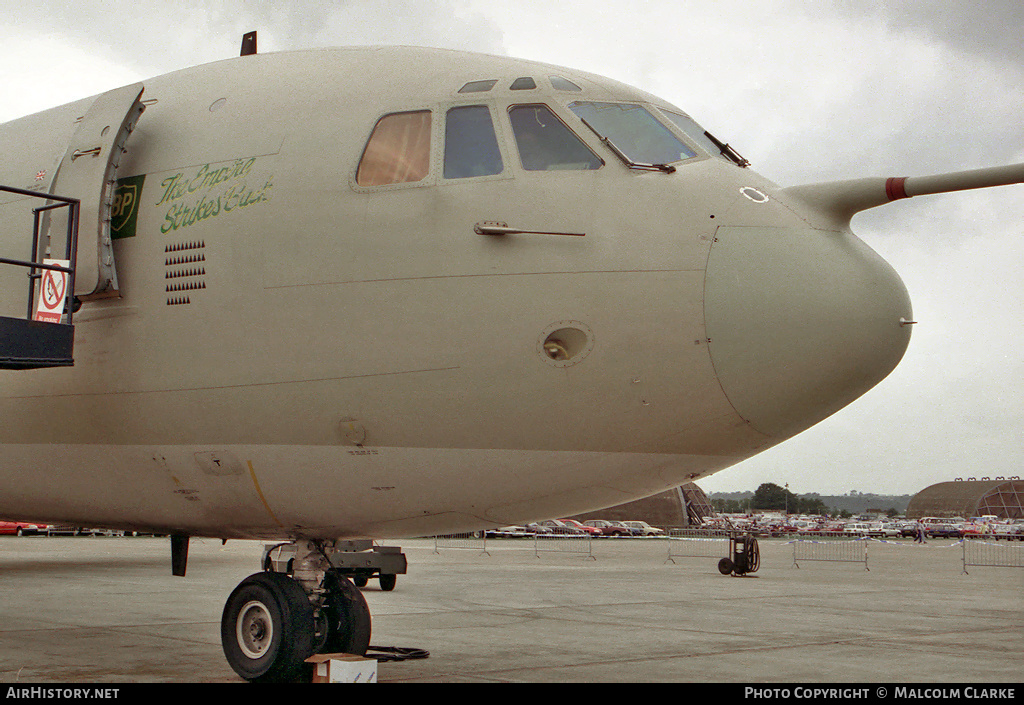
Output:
[[291, 353]]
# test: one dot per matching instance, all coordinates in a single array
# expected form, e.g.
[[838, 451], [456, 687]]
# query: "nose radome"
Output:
[[801, 322]]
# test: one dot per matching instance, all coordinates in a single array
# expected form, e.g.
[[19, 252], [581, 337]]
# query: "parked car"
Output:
[[908, 529], [592, 530], [645, 528], [21, 528], [631, 530], [65, 530], [857, 528], [887, 530], [607, 528], [943, 531], [508, 532], [559, 527], [1009, 531]]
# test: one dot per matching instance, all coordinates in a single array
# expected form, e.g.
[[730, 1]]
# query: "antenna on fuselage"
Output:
[[248, 43]]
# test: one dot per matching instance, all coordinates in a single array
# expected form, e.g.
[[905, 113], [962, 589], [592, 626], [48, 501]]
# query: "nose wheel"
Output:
[[346, 617], [267, 628], [274, 621]]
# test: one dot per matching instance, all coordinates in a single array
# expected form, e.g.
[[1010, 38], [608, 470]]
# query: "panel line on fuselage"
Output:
[[234, 386], [481, 275]]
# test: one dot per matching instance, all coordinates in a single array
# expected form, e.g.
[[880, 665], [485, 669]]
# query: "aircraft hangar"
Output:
[[685, 505], [1001, 497]]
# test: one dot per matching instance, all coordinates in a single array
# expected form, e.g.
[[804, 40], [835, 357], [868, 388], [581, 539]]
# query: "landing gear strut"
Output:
[[301, 606]]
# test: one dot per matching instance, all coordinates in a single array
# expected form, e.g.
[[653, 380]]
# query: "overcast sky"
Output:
[[808, 91]]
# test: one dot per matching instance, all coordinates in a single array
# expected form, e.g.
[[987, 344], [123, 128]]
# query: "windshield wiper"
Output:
[[667, 168], [727, 151]]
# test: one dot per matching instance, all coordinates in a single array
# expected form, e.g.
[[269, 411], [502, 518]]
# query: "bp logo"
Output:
[[124, 210]]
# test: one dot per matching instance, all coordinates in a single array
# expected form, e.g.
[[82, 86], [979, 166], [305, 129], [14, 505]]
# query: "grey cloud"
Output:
[[991, 29], [159, 37]]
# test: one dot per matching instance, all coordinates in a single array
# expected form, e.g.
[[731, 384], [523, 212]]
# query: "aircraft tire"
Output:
[[387, 581], [267, 629], [348, 617]]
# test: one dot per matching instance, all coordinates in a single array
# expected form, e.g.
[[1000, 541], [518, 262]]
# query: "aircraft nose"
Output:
[[801, 322]]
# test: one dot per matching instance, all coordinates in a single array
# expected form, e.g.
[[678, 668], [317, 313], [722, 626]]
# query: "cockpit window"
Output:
[[523, 84], [694, 131], [697, 133], [470, 147], [546, 144], [563, 84], [634, 131], [478, 86], [398, 150]]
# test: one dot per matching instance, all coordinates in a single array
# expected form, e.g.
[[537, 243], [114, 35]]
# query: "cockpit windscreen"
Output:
[[695, 132], [634, 130]]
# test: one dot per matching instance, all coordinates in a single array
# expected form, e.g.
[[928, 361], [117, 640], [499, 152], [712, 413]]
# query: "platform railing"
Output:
[[45, 338], [70, 249]]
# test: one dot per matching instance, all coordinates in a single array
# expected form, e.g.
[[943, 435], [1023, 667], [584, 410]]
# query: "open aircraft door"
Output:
[[87, 173]]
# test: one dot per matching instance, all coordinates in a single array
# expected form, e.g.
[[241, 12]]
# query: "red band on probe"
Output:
[[894, 188]]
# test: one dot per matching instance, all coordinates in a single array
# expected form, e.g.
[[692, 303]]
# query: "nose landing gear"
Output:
[[304, 605]]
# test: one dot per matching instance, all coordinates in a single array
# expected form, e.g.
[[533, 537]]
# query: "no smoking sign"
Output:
[[52, 289]]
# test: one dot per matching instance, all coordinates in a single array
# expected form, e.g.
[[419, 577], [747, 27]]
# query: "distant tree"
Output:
[[771, 496], [728, 506], [808, 505]]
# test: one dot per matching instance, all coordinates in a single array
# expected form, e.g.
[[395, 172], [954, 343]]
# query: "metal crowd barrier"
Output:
[[699, 543], [474, 540], [835, 548], [581, 544], [980, 552], [561, 543]]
